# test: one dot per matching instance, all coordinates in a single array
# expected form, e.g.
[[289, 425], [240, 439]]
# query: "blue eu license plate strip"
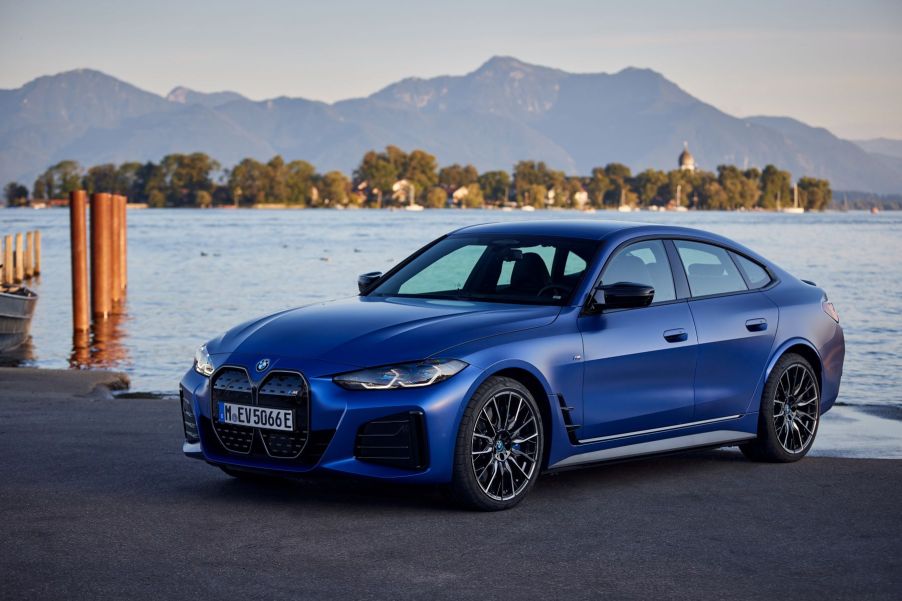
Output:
[[256, 417]]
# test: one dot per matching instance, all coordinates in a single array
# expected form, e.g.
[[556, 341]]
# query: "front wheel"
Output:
[[789, 414], [499, 446]]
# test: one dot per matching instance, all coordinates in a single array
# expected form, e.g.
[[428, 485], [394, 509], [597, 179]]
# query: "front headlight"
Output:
[[203, 364], [404, 375]]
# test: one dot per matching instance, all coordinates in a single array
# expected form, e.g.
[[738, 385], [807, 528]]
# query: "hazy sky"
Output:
[[832, 64]]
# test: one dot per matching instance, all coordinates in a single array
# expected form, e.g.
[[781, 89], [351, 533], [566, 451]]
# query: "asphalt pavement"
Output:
[[97, 502]]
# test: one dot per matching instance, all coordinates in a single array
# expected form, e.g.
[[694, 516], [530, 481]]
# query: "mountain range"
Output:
[[504, 111]]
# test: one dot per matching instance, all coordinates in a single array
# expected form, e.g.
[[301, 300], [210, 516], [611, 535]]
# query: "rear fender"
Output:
[[772, 362]]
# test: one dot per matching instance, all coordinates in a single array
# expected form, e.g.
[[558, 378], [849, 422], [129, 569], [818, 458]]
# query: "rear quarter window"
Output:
[[755, 274]]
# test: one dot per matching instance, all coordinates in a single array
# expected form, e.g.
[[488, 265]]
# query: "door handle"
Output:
[[677, 335], [756, 325]]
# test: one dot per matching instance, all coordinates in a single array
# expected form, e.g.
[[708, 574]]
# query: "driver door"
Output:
[[639, 362]]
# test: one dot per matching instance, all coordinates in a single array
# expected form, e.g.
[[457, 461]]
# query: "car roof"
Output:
[[588, 229], [595, 229], [564, 228]]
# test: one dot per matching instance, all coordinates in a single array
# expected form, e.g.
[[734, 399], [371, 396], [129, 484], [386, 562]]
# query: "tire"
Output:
[[789, 415], [501, 434]]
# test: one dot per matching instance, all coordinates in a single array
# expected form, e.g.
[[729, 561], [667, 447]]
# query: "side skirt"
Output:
[[688, 441]]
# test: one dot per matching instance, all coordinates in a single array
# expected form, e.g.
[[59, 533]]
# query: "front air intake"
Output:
[[397, 440], [189, 422]]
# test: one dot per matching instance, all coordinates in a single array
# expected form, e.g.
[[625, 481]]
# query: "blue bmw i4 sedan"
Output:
[[502, 351]]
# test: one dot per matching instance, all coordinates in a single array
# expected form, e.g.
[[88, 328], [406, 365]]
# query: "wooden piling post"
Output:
[[19, 259], [78, 237], [113, 233], [123, 243], [8, 273], [29, 255], [101, 255], [37, 252]]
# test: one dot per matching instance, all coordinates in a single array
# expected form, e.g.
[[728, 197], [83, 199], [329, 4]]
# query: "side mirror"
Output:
[[367, 279], [622, 295]]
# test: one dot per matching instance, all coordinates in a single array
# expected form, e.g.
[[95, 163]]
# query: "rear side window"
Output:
[[709, 269], [756, 275]]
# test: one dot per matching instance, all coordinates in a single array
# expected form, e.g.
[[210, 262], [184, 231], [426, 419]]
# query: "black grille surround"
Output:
[[279, 390], [397, 440]]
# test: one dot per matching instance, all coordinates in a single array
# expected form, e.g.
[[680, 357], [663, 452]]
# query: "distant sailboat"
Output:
[[795, 208], [624, 208], [677, 205]]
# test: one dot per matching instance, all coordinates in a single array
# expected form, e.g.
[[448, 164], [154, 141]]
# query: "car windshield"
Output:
[[502, 269]]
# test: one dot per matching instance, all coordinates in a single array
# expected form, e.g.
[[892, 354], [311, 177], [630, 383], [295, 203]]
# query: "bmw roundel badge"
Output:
[[262, 364]]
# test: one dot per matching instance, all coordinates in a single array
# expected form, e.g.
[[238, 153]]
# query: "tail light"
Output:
[[830, 310]]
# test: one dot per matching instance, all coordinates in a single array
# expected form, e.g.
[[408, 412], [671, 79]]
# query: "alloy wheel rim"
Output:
[[796, 409], [505, 446]]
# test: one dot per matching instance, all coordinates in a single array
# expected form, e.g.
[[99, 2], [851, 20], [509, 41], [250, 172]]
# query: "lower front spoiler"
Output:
[[193, 450]]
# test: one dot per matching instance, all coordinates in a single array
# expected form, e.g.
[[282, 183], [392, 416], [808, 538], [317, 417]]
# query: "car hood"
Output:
[[363, 331]]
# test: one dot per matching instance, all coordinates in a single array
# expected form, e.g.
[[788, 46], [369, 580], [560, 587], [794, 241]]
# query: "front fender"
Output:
[[557, 443]]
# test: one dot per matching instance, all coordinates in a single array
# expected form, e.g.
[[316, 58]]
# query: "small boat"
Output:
[[17, 305], [624, 208], [875, 210], [795, 208]]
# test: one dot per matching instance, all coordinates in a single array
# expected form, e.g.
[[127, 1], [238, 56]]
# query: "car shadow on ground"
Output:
[[375, 494]]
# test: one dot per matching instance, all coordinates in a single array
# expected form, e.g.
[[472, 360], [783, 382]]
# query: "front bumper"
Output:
[[345, 426]]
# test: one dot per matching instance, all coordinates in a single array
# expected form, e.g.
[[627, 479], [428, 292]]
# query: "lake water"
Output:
[[194, 274]]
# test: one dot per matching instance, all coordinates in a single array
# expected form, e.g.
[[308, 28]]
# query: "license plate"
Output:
[[257, 417]]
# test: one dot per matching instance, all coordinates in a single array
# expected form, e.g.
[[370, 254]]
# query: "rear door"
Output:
[[735, 324]]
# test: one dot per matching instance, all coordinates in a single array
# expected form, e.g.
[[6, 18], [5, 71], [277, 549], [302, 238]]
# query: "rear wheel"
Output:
[[789, 414], [499, 446]]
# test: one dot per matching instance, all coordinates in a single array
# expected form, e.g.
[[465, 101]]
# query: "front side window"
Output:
[[709, 269], [494, 268], [642, 263]]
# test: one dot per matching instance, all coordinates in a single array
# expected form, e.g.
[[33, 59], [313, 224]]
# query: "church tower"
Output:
[[686, 160]]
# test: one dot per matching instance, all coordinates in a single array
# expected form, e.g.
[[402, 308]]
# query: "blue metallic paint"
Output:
[[615, 369], [634, 378]]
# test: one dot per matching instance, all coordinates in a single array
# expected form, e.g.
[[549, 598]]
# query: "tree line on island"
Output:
[[394, 177]]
